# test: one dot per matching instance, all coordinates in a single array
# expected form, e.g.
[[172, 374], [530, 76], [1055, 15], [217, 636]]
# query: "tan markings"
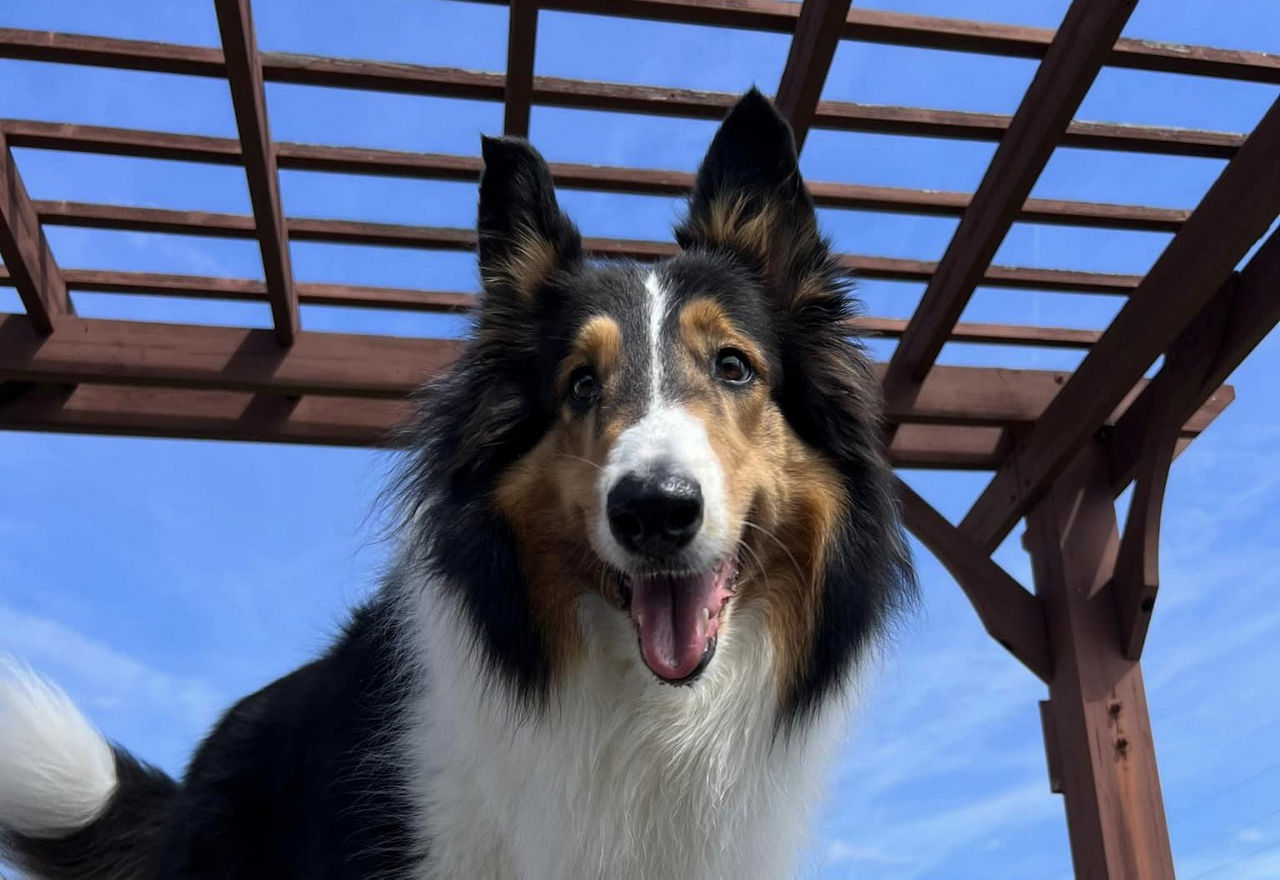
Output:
[[705, 329], [599, 345], [786, 496], [528, 264]]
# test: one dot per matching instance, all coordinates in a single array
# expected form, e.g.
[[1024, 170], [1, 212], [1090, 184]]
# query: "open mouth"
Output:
[[677, 617]]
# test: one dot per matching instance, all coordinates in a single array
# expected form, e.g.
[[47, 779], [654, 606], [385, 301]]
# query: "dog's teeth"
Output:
[[706, 615]]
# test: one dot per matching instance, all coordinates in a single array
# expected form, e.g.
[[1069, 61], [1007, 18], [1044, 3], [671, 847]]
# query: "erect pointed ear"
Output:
[[523, 235], [750, 200]]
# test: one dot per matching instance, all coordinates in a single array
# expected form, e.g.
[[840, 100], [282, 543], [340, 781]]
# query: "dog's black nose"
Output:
[[655, 514]]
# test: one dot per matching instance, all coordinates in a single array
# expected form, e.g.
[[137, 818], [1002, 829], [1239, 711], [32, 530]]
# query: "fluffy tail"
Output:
[[71, 806]]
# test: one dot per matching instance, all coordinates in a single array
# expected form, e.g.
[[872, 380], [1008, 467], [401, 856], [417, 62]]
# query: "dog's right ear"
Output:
[[524, 236]]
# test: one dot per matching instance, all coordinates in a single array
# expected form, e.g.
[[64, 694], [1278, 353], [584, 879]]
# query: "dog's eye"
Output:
[[584, 387], [733, 367]]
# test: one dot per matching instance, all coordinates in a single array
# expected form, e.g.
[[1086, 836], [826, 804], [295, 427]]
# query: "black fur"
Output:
[[298, 780]]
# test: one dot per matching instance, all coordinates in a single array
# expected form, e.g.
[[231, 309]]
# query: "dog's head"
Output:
[[680, 439]]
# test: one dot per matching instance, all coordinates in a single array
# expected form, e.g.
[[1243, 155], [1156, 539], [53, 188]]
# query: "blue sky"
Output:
[[159, 580]]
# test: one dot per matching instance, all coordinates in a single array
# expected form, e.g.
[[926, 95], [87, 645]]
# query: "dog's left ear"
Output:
[[750, 201]]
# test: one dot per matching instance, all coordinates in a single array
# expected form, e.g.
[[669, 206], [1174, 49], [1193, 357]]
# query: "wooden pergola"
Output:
[[1062, 445]]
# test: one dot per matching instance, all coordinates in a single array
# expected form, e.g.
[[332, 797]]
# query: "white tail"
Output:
[[57, 773]]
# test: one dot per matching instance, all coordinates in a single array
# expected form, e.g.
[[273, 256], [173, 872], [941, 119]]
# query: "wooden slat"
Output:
[[640, 181], [225, 358], [1010, 615], [651, 100], [929, 32], [1234, 213], [522, 40], [1060, 84], [866, 25], [813, 47], [249, 99], [993, 334], [452, 238], [25, 250]]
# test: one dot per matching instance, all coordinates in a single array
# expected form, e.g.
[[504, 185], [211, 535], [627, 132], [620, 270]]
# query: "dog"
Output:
[[648, 539]]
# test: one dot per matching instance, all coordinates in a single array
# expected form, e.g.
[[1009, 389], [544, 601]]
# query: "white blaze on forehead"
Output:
[[667, 436], [657, 305]]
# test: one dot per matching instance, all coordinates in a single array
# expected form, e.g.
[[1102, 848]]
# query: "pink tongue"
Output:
[[667, 610]]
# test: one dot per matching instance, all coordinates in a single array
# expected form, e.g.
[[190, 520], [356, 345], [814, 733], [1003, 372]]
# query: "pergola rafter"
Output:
[[1062, 444]]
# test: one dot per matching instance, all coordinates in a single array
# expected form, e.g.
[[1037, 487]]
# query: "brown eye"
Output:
[[732, 367], [584, 386]]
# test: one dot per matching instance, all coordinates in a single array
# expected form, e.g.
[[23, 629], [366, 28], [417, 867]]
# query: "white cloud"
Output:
[[106, 680]]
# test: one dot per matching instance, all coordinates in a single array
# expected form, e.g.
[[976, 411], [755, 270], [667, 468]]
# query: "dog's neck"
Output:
[[616, 775]]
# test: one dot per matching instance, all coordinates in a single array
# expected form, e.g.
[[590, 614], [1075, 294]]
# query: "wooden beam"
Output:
[[1060, 84], [1097, 713], [638, 181], [445, 82], [522, 41], [1234, 213], [458, 239], [813, 47], [929, 32], [1010, 615], [1252, 310], [25, 250], [178, 355], [224, 358], [249, 99]]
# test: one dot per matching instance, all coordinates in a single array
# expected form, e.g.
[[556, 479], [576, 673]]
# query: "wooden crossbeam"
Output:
[[522, 40], [459, 239], [813, 47], [1011, 615], [177, 355], [614, 97], [1234, 213], [1069, 68], [930, 32], [640, 181], [249, 99], [150, 411], [25, 250]]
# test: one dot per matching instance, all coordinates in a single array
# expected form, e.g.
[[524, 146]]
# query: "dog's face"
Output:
[[680, 438]]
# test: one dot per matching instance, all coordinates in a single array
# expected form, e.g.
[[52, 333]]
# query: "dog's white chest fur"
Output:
[[621, 777]]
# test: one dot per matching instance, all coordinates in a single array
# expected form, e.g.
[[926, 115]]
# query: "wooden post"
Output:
[[1096, 718]]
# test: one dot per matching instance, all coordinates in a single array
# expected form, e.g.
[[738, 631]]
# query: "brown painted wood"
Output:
[[226, 358], [25, 250], [1253, 309], [929, 32], [113, 352], [522, 40], [1010, 615], [817, 33], [249, 99], [1234, 213], [656, 100], [205, 415], [1060, 84], [993, 334], [639, 181], [449, 238], [1097, 703]]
